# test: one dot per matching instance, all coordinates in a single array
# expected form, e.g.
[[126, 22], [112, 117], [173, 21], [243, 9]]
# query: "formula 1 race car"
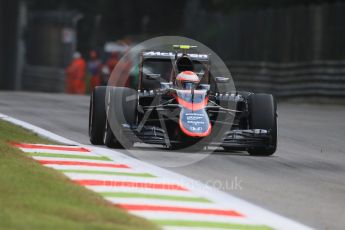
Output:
[[178, 104]]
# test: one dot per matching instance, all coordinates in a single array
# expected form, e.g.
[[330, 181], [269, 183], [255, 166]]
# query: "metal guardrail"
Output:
[[319, 78], [42, 78]]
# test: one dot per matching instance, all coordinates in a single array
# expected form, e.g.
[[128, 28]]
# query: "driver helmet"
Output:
[[187, 80]]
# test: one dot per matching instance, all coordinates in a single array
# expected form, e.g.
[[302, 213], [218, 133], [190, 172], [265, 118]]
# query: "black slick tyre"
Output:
[[121, 110], [97, 115], [263, 115]]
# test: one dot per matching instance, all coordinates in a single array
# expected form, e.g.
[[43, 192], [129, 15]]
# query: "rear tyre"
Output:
[[263, 115], [97, 115], [121, 110]]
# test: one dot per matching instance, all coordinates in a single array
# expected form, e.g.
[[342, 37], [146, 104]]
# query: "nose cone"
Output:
[[195, 123], [194, 120]]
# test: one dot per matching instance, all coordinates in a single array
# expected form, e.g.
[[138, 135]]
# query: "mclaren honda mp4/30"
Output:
[[177, 103]]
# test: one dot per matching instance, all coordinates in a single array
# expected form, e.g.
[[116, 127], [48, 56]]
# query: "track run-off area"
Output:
[[304, 180]]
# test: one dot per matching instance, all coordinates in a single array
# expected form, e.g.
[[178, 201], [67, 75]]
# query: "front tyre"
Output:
[[97, 115], [109, 139], [263, 115], [122, 113]]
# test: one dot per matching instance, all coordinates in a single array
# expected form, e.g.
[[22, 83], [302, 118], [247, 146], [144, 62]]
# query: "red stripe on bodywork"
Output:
[[81, 163], [218, 212], [130, 184], [192, 106], [47, 147]]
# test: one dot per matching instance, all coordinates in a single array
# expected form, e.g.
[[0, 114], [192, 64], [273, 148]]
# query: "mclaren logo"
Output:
[[171, 54]]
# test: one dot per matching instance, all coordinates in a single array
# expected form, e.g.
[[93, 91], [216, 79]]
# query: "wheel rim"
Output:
[[105, 132]]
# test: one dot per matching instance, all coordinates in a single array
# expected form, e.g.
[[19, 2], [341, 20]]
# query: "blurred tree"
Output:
[[108, 20]]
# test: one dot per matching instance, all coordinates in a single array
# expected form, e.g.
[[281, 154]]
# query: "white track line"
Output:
[[84, 176], [101, 161]]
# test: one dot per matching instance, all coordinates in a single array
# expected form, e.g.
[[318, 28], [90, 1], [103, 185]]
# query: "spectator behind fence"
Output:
[[112, 61], [94, 67], [75, 75]]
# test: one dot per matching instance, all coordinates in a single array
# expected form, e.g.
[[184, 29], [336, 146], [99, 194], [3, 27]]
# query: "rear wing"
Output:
[[172, 55]]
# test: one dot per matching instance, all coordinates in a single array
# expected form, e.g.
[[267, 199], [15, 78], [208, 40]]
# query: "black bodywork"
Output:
[[159, 111]]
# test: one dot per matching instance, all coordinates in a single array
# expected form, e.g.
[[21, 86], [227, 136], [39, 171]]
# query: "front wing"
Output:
[[235, 138]]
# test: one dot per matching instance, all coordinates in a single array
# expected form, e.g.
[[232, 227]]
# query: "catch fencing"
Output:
[[320, 78]]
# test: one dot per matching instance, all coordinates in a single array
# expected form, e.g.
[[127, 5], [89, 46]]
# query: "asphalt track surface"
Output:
[[304, 180]]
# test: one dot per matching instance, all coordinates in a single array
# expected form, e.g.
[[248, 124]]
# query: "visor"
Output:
[[188, 85]]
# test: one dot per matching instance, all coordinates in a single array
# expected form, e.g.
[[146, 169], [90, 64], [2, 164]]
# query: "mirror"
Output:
[[222, 80], [205, 86], [200, 74], [166, 85]]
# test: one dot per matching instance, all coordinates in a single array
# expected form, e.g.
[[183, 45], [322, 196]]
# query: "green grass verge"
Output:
[[36, 197]]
